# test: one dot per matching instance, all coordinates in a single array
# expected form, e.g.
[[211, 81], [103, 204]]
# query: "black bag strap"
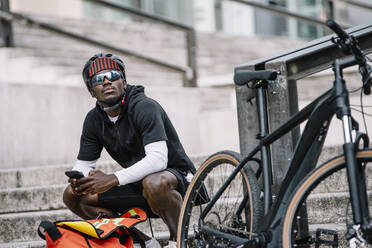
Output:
[[135, 236], [50, 228]]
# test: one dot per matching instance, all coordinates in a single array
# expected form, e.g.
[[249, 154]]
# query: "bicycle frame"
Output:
[[319, 114]]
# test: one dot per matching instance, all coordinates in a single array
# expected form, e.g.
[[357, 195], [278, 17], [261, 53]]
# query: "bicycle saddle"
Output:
[[242, 77]]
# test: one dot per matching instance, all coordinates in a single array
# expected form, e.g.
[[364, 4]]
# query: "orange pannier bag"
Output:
[[113, 232]]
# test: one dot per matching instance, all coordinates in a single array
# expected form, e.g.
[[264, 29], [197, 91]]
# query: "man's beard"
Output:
[[113, 101]]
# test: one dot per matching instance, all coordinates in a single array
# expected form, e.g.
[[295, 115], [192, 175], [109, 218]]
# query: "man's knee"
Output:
[[68, 196], [158, 184], [72, 200]]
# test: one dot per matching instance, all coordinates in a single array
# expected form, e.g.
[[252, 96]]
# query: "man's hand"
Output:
[[96, 182], [74, 183]]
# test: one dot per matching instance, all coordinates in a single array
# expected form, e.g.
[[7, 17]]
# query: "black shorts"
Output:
[[122, 198]]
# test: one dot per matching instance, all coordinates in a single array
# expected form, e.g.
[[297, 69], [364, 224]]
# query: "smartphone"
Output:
[[74, 174]]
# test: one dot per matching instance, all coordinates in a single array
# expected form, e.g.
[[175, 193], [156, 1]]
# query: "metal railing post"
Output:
[[282, 104], [6, 31], [191, 58]]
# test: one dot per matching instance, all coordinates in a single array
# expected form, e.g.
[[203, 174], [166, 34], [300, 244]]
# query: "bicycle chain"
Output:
[[235, 230]]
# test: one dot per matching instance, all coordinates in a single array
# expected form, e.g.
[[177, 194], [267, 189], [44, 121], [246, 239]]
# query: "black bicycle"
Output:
[[242, 211]]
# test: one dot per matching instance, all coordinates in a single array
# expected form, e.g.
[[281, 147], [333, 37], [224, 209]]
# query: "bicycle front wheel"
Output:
[[224, 216], [324, 194]]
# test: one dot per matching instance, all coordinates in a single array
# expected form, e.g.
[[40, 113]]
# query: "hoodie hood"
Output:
[[133, 94]]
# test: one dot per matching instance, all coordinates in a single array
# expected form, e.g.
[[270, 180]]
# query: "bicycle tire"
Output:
[[309, 192], [205, 175]]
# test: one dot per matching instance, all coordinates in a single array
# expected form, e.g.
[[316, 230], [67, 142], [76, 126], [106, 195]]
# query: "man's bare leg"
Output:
[[159, 189], [86, 207]]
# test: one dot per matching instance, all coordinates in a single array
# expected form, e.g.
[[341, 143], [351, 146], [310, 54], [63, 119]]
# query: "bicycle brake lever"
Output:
[[365, 71]]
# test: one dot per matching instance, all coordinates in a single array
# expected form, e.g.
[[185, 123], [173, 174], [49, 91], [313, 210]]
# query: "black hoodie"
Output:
[[141, 121]]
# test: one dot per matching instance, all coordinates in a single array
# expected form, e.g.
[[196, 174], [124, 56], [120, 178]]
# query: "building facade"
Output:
[[218, 15]]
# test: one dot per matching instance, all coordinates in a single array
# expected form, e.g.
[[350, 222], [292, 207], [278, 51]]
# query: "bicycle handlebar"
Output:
[[337, 29], [349, 45]]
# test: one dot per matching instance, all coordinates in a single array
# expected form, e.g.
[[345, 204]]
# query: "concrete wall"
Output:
[[61, 8], [41, 124]]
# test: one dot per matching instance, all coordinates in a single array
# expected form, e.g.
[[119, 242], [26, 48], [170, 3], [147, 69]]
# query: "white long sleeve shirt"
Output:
[[155, 160]]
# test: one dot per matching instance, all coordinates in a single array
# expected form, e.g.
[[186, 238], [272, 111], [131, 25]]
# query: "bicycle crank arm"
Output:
[[221, 235], [257, 242], [253, 243]]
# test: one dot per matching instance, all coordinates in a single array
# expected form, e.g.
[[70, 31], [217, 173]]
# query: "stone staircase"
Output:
[[217, 54], [30, 195]]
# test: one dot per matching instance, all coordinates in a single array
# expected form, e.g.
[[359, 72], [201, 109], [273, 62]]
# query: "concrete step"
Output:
[[52, 175], [26, 244], [49, 197], [338, 182], [57, 71], [339, 228], [330, 208], [22, 227], [166, 43], [55, 174], [325, 208], [162, 237], [32, 199]]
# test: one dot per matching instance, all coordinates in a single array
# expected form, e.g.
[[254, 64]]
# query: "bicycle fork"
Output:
[[355, 172], [357, 190]]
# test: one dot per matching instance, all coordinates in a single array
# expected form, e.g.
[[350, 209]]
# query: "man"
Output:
[[137, 134]]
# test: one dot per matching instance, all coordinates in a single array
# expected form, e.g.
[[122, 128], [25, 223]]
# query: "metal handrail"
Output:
[[283, 11], [25, 20], [140, 13], [190, 32]]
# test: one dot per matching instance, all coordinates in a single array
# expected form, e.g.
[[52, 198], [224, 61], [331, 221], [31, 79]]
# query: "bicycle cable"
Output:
[[362, 111], [364, 122], [365, 82]]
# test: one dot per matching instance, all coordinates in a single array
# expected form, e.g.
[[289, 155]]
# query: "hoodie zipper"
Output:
[[118, 133]]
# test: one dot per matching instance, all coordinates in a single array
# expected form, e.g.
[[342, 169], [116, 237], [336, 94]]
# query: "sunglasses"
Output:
[[99, 78]]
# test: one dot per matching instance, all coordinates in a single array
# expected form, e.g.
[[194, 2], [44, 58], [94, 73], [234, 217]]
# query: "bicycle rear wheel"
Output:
[[222, 217], [325, 195]]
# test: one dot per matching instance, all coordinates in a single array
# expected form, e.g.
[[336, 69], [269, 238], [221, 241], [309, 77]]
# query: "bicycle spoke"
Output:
[[326, 200]]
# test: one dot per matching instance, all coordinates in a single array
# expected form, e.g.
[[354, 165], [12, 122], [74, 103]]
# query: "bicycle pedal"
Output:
[[324, 237]]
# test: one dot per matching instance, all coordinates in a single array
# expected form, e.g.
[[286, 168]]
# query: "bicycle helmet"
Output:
[[100, 62]]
